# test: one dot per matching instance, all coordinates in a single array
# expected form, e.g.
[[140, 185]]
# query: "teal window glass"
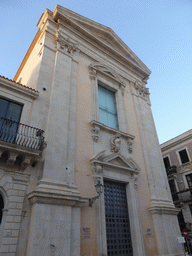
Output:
[[10, 113], [107, 108], [10, 110]]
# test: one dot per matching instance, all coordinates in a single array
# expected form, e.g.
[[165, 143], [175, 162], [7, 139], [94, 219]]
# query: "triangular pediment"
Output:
[[115, 161], [107, 71], [100, 34]]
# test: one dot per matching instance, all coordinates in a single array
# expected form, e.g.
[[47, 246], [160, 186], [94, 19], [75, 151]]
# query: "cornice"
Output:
[[27, 55], [60, 193], [11, 85], [115, 166], [164, 210], [76, 23], [176, 141], [98, 53], [94, 123]]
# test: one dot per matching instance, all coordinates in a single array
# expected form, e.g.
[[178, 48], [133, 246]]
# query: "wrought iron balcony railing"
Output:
[[21, 134], [171, 169]]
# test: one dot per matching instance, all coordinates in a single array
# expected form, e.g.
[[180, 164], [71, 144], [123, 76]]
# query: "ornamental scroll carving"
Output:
[[97, 169], [130, 145], [116, 143], [135, 180], [141, 90], [95, 130], [65, 44], [92, 73]]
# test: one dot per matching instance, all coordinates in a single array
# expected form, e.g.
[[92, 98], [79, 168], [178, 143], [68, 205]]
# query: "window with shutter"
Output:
[[107, 107]]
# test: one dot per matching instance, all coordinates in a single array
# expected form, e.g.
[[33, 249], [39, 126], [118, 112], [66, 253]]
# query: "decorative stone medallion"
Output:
[[116, 143]]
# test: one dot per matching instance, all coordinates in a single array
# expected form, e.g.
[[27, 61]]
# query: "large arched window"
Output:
[[1, 207]]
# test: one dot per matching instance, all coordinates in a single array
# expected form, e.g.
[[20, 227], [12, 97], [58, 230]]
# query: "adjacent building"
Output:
[[177, 155], [76, 116]]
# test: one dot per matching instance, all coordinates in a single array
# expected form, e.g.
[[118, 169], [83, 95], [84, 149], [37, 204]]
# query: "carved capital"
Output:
[[130, 145], [92, 73], [65, 44], [116, 143], [141, 90], [95, 130]]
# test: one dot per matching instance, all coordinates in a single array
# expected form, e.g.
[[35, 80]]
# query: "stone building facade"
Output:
[[83, 118], [177, 155]]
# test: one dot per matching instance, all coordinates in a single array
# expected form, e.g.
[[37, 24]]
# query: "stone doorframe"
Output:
[[126, 171]]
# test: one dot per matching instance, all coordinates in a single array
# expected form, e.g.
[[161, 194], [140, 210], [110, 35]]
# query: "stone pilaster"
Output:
[[161, 206], [56, 202]]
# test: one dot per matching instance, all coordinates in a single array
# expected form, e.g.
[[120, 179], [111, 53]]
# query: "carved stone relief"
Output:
[[97, 169], [97, 179], [92, 73], [11, 160], [65, 44], [95, 130], [134, 177], [116, 143], [122, 88], [130, 145], [26, 162], [141, 90]]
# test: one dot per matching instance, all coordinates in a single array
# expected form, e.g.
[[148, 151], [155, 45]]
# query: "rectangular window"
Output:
[[184, 156], [10, 113], [173, 189], [107, 107], [166, 162], [189, 180]]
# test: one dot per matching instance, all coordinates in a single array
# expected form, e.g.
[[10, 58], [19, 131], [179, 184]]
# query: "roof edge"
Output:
[[19, 87], [176, 140]]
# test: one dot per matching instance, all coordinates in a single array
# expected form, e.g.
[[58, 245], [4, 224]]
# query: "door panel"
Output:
[[117, 220]]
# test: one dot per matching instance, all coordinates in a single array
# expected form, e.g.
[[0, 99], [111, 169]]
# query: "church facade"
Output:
[[77, 116]]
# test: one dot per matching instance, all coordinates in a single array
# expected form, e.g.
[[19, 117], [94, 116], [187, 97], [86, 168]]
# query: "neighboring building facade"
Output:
[[177, 156], [83, 117]]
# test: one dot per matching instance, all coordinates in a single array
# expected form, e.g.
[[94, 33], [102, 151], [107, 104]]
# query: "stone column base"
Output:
[[166, 228], [55, 219]]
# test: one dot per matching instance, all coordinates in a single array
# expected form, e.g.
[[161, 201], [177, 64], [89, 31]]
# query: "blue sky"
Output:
[[158, 32]]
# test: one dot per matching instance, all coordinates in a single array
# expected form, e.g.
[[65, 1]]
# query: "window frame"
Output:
[[112, 86], [176, 185], [102, 85], [111, 80], [168, 156], [186, 172], [12, 101], [178, 155], [187, 179]]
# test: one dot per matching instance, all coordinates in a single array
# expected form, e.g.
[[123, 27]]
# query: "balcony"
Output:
[[183, 196], [171, 170], [20, 144]]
